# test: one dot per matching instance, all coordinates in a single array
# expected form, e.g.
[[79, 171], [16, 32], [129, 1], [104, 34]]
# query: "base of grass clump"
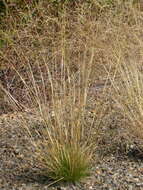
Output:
[[68, 163]]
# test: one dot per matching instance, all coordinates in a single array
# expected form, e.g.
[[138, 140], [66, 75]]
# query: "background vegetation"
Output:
[[71, 62]]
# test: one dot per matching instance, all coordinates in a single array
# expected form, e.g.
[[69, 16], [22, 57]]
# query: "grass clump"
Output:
[[129, 89], [67, 162], [59, 97]]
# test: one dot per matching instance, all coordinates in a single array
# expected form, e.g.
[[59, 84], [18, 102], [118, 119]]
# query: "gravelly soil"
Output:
[[19, 169]]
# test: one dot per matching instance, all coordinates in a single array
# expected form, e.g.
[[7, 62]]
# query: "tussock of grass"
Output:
[[62, 143], [67, 162], [129, 98], [126, 59]]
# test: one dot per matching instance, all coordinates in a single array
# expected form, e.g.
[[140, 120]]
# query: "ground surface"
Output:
[[19, 169]]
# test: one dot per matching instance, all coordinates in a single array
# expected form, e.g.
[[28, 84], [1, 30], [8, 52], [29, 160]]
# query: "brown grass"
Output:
[[54, 60]]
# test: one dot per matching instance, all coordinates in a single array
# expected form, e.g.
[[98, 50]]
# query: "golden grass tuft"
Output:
[[67, 162], [128, 96], [62, 142]]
